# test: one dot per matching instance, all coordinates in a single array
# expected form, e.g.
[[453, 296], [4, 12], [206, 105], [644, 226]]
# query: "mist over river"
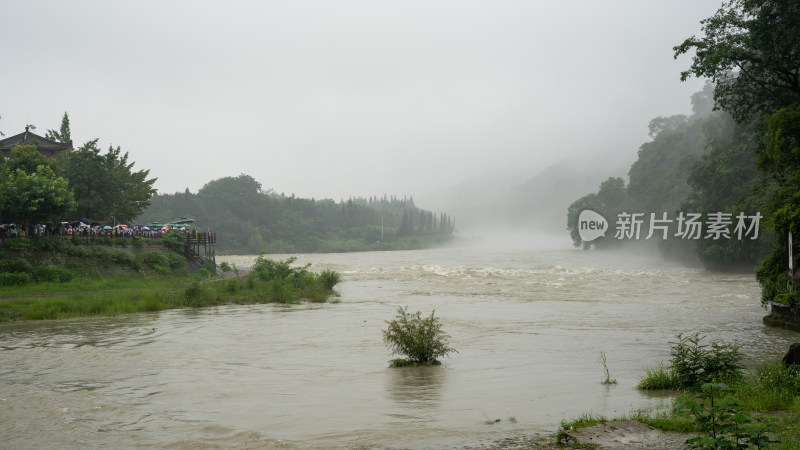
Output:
[[529, 326]]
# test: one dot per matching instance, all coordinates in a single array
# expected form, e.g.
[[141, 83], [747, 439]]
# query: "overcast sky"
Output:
[[331, 99]]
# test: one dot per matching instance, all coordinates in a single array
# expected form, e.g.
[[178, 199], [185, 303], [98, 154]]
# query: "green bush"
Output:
[[420, 340], [153, 260], [48, 243], [280, 291], [14, 265], [788, 298], [694, 364], [721, 419], [175, 262], [174, 240], [52, 274], [138, 242], [14, 279], [329, 278], [268, 270], [113, 255], [18, 244], [193, 291]]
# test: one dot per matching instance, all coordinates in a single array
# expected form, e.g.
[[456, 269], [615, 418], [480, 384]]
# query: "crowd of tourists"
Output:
[[69, 229]]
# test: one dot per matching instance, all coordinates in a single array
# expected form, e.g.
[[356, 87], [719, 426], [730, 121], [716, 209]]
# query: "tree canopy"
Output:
[[84, 183], [35, 197], [106, 184], [250, 220], [63, 134], [751, 51]]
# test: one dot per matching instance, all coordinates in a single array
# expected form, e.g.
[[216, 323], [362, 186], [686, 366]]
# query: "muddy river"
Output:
[[529, 326]]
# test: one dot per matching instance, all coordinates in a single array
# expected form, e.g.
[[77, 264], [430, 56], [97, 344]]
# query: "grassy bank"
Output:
[[719, 404], [57, 279]]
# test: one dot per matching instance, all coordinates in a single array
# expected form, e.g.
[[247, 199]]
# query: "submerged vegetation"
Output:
[[420, 339], [601, 358]]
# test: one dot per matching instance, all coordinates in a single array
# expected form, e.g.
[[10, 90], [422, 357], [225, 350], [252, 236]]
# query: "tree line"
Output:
[[739, 152], [250, 220]]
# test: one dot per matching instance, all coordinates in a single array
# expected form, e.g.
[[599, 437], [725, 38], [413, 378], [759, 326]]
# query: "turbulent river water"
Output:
[[529, 326]]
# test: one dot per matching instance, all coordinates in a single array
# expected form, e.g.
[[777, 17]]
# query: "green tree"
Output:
[[751, 50], [63, 135], [32, 198], [105, 184], [670, 123], [726, 180], [781, 162], [591, 202], [27, 159], [612, 194]]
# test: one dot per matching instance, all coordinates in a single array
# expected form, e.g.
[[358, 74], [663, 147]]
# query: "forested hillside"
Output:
[[249, 220], [741, 161], [703, 163]]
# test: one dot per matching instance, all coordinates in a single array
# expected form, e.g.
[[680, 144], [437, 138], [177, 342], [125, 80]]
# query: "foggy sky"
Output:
[[331, 99]]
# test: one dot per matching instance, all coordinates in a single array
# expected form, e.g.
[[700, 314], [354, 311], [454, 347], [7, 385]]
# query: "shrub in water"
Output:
[[268, 270], [329, 278], [420, 339], [281, 292]]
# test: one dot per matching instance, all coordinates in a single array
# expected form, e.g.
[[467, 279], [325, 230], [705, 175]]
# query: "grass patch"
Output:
[[130, 292], [658, 378], [756, 409]]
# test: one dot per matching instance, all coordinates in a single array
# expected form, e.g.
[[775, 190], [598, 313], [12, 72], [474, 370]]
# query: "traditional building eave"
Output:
[[46, 147]]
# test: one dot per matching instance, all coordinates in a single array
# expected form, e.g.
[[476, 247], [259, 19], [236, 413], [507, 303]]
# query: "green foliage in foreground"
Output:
[[420, 339], [694, 364], [766, 399], [721, 419], [759, 409]]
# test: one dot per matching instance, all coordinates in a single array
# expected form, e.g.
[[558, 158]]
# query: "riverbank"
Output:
[[53, 278]]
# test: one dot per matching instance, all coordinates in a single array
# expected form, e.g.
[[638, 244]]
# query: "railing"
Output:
[[200, 248]]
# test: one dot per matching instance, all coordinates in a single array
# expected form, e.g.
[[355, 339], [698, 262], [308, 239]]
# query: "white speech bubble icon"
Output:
[[591, 225]]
